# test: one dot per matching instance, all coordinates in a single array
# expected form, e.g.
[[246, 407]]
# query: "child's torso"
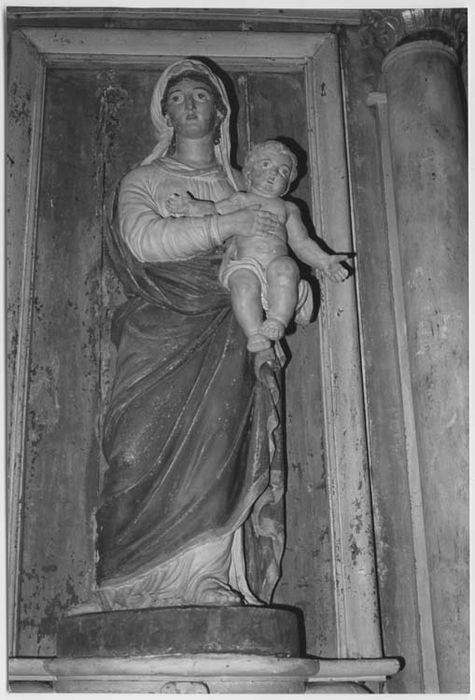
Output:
[[266, 247]]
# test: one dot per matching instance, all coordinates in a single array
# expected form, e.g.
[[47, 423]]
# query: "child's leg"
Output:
[[246, 301], [283, 279]]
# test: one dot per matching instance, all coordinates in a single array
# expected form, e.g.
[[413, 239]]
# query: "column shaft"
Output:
[[428, 143]]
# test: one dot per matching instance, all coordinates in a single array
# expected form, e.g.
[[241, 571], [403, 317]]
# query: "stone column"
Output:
[[427, 134]]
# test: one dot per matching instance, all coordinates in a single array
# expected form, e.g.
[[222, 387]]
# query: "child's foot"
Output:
[[273, 329], [257, 342]]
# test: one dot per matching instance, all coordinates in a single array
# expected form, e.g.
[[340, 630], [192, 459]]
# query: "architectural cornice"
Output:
[[210, 19], [391, 28]]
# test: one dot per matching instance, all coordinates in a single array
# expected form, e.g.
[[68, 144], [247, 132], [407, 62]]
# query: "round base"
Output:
[[190, 630]]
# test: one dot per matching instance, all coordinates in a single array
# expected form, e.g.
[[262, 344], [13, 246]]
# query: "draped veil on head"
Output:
[[164, 132]]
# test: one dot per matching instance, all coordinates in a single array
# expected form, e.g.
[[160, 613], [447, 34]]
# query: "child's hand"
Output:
[[186, 205], [179, 204], [332, 268]]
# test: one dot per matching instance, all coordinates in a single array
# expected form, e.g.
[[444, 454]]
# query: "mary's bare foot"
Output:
[[257, 342], [273, 329]]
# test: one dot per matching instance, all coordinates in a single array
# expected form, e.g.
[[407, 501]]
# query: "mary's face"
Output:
[[191, 109]]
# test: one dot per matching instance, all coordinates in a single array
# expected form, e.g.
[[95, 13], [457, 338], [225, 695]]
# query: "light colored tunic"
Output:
[[145, 223]]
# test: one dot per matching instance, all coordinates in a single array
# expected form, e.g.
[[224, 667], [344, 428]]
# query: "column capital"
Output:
[[391, 28]]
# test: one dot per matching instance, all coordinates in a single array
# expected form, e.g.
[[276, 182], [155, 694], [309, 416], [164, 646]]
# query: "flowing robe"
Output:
[[193, 439]]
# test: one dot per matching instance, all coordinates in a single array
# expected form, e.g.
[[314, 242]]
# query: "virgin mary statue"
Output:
[[191, 508]]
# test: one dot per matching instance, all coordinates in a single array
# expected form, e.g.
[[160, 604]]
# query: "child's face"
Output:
[[270, 173]]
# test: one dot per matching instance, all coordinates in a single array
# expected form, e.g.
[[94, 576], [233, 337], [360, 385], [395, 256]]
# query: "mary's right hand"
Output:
[[251, 221]]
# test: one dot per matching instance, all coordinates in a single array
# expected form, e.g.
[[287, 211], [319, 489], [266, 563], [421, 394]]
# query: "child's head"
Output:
[[270, 168]]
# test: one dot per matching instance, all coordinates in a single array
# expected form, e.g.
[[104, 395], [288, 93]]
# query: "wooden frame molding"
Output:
[[315, 18], [424, 622], [33, 50], [346, 446], [164, 46], [24, 131]]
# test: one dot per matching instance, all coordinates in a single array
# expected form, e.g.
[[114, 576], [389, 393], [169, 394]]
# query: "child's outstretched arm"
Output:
[[309, 251]]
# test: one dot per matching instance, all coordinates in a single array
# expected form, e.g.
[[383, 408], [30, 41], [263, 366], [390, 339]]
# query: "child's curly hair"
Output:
[[257, 149]]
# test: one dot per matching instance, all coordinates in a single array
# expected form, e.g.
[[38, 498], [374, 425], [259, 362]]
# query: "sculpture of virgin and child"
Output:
[[191, 511]]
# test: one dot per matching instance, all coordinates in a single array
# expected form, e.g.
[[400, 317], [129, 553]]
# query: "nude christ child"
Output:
[[257, 269]]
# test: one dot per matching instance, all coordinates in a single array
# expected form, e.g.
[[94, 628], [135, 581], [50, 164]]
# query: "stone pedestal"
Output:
[[183, 673], [190, 630], [194, 649], [201, 673], [199, 650]]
